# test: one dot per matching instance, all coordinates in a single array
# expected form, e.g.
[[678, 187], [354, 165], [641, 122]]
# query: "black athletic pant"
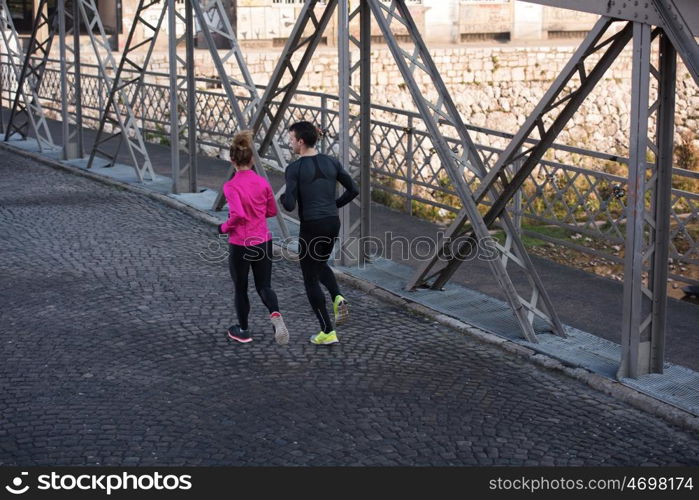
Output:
[[316, 240], [240, 260]]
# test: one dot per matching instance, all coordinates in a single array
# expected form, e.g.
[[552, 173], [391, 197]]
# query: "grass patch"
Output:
[[531, 241]]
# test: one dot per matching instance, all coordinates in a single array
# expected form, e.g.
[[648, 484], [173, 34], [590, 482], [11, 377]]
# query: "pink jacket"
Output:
[[250, 202]]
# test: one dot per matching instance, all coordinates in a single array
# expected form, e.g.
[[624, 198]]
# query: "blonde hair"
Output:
[[241, 148]]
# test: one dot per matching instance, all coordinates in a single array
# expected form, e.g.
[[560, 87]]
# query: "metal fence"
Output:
[[576, 197]]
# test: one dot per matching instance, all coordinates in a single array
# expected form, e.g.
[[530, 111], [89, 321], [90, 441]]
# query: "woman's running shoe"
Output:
[[341, 310], [238, 334], [281, 334]]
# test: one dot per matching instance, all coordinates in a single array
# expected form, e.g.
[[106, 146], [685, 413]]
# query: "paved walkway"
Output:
[[114, 353], [593, 305]]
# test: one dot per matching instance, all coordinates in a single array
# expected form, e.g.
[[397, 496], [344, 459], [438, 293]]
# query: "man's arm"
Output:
[[290, 196], [351, 189]]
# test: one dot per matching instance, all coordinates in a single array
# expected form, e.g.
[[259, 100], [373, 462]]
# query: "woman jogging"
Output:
[[311, 181], [250, 202]]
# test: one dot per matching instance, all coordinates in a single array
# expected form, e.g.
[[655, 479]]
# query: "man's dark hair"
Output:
[[305, 131]]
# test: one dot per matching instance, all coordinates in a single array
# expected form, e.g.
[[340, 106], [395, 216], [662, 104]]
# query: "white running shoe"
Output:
[[281, 334]]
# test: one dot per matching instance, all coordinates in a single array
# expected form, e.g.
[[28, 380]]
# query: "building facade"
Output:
[[267, 23]]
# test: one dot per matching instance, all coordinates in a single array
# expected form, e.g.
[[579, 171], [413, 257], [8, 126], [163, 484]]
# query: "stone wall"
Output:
[[493, 87]]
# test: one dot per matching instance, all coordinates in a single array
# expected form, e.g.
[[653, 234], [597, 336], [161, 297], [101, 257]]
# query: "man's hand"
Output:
[[219, 228]]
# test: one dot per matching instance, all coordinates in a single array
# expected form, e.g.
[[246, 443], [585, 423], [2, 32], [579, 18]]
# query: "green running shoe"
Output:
[[341, 310], [323, 338]]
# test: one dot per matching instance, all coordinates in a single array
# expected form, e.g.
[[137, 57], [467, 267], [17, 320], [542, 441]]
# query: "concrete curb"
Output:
[[612, 388]]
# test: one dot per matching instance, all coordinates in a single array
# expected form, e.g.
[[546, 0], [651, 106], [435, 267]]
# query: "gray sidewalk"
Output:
[[114, 353]]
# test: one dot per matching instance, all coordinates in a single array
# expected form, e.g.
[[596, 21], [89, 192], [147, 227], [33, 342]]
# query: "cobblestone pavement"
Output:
[[113, 352]]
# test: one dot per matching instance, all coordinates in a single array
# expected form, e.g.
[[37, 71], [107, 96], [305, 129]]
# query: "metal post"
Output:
[[174, 115], [142, 104], [70, 94], [177, 108], [26, 103], [517, 199], [324, 124], [2, 74], [191, 99], [662, 200], [65, 126], [77, 83], [2, 90], [344, 81], [677, 29], [409, 160], [631, 342], [365, 126]]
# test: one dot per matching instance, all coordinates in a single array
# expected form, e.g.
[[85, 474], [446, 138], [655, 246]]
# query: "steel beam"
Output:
[[346, 122], [662, 200], [206, 26], [365, 152], [182, 85], [286, 69], [225, 30], [191, 105], [528, 159], [551, 102], [643, 11], [634, 333], [676, 18], [444, 112], [126, 122], [71, 92], [26, 109], [354, 156]]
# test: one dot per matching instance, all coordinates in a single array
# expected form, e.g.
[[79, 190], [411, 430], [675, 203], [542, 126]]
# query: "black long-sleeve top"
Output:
[[311, 180]]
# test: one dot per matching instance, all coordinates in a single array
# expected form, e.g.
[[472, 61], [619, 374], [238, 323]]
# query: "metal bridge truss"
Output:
[[438, 116], [118, 114], [354, 89], [67, 15], [465, 167], [647, 234], [212, 18], [26, 109], [71, 89], [179, 87]]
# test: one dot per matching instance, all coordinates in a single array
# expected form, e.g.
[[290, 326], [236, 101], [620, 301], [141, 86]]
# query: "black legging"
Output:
[[316, 240], [259, 257]]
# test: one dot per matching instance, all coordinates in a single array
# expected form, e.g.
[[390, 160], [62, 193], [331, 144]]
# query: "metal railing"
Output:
[[579, 193]]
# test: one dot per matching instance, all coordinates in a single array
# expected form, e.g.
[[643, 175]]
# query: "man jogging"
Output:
[[311, 181]]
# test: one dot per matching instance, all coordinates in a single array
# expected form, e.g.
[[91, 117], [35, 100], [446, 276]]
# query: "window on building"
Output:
[[22, 12]]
